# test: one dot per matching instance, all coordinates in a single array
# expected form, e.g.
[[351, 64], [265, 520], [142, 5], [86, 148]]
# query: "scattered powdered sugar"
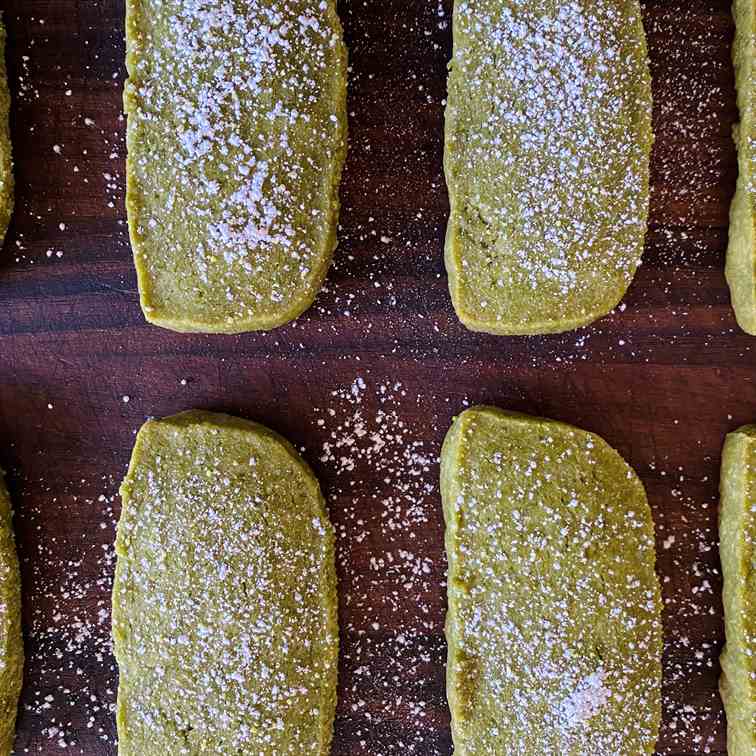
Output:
[[691, 584], [69, 642], [690, 157], [392, 586], [586, 700]]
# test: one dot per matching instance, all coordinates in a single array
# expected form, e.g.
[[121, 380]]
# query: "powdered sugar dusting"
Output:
[[392, 585], [586, 701], [69, 633], [224, 594]]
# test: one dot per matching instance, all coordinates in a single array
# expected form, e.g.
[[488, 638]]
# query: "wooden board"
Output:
[[663, 380]]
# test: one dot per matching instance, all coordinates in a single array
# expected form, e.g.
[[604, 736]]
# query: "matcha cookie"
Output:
[[11, 640], [6, 164], [548, 141], [554, 621], [737, 549], [236, 141], [741, 252], [224, 603]]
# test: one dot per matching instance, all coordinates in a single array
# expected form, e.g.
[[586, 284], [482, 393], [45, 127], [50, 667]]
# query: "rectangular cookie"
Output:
[[224, 604], [741, 251], [236, 141], [6, 162], [547, 148], [11, 640], [554, 620], [737, 550]]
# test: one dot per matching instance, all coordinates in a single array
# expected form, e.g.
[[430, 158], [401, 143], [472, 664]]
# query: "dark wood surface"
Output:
[[662, 381]]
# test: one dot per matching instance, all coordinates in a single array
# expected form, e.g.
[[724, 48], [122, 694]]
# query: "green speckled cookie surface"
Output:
[[547, 148], [554, 621], [737, 550], [236, 141], [224, 603], [11, 641], [741, 252]]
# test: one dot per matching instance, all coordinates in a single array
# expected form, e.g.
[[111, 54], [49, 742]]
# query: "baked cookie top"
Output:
[[554, 623], [224, 603], [548, 141], [236, 140]]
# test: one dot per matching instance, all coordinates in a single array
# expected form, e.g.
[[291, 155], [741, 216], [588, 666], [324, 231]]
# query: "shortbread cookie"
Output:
[[11, 640], [236, 141], [554, 622], [737, 549], [548, 142], [224, 604]]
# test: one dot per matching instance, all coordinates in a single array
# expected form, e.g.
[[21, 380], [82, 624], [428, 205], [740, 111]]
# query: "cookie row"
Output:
[[225, 598], [237, 137]]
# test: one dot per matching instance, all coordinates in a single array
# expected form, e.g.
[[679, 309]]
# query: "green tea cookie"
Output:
[[554, 621], [224, 603], [737, 549], [236, 141], [741, 252], [11, 641], [6, 164], [548, 141]]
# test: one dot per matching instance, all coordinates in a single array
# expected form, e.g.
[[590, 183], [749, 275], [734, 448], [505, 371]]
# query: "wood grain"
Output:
[[662, 381]]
